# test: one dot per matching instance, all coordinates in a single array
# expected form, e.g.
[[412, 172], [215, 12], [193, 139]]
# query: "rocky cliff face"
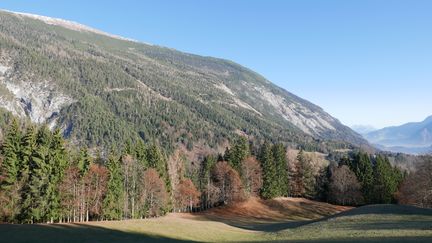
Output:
[[39, 101]]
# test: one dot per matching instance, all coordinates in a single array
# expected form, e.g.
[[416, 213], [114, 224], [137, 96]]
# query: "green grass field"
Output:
[[376, 223]]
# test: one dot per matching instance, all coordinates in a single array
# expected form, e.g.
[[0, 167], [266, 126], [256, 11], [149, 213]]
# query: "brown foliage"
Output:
[[186, 195], [252, 173], [229, 183], [154, 194], [82, 196], [69, 191], [213, 194], [417, 188], [96, 185], [344, 187]]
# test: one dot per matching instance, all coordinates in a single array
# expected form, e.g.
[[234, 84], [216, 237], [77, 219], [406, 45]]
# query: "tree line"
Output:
[[44, 179]]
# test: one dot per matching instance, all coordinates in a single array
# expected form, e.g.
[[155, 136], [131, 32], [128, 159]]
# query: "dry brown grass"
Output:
[[273, 211]]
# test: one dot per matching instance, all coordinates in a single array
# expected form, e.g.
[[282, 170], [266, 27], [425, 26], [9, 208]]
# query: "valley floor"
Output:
[[282, 219]]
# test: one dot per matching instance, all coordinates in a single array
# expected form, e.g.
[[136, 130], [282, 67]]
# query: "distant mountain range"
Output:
[[413, 137], [103, 90], [363, 129]]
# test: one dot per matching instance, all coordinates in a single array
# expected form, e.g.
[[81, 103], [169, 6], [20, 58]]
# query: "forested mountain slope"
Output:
[[102, 90]]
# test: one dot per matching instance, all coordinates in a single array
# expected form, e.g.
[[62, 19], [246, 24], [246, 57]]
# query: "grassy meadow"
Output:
[[281, 220]]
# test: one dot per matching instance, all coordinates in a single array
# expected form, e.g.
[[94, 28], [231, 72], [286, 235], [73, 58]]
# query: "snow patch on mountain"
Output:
[[68, 24]]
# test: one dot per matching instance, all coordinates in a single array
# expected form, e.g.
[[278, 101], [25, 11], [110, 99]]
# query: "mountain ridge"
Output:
[[412, 137], [97, 87]]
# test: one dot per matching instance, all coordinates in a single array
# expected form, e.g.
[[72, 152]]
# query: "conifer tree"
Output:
[[304, 180], [279, 155], [238, 153], [140, 153], [28, 143], [11, 151], [84, 161], [156, 160], [112, 208], [364, 172], [10, 171], [36, 201], [386, 181], [269, 187], [57, 163]]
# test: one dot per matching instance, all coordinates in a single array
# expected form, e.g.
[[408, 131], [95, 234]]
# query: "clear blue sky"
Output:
[[364, 62]]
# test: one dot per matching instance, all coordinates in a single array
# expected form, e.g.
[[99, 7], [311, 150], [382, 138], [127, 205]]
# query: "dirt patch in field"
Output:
[[256, 210]]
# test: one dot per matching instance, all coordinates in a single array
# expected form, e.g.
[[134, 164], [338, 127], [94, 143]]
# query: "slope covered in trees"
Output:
[[102, 91], [46, 179]]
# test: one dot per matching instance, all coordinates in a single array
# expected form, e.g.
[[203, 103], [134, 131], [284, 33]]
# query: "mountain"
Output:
[[414, 137], [104, 90], [363, 129]]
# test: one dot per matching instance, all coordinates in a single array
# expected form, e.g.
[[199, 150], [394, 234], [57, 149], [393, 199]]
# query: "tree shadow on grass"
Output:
[[404, 239], [387, 209], [268, 226], [287, 215], [397, 225], [71, 233], [256, 224]]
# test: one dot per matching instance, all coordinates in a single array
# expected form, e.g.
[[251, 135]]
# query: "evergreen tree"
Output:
[[238, 153], [57, 164], [36, 202], [156, 160], [140, 153], [269, 188], [385, 181], [112, 208], [279, 155], [11, 161], [84, 161], [364, 172], [304, 179], [28, 143], [10, 171], [322, 183]]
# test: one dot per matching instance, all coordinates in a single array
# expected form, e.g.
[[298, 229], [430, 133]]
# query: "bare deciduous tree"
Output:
[[229, 183], [344, 187], [186, 195], [69, 192], [417, 187], [252, 174], [154, 196], [96, 184]]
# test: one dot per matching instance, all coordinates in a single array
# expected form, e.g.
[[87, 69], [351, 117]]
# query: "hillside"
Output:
[[277, 209], [103, 90], [414, 137], [375, 223]]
